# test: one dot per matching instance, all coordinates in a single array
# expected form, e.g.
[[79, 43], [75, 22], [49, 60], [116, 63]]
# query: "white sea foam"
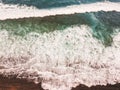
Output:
[[14, 11], [61, 59]]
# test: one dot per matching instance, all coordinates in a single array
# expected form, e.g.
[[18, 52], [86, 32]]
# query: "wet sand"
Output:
[[108, 87], [18, 84]]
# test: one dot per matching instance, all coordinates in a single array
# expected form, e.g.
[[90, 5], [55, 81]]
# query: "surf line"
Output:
[[15, 11]]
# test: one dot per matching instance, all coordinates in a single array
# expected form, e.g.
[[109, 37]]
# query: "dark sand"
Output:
[[18, 84], [108, 87]]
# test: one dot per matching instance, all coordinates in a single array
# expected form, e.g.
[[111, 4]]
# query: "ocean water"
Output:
[[52, 3], [48, 3], [61, 47], [102, 24]]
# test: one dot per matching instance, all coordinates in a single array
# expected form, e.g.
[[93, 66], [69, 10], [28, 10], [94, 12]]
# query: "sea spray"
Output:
[[60, 47], [61, 60]]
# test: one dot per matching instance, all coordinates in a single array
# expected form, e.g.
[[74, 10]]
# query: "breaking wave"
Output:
[[61, 60], [102, 24], [61, 47], [15, 11], [62, 51]]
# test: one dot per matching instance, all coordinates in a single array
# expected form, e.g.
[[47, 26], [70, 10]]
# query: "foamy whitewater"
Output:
[[61, 59], [14, 11], [61, 51]]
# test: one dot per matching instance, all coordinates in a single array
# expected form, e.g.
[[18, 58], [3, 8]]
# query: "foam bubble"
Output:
[[61, 59]]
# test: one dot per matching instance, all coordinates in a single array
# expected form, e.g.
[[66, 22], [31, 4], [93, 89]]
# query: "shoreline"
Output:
[[22, 84]]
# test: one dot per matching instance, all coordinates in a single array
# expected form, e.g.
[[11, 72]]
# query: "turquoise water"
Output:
[[102, 24], [51, 3], [48, 3]]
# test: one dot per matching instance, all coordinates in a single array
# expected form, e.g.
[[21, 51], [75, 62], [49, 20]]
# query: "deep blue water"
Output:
[[51, 3]]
